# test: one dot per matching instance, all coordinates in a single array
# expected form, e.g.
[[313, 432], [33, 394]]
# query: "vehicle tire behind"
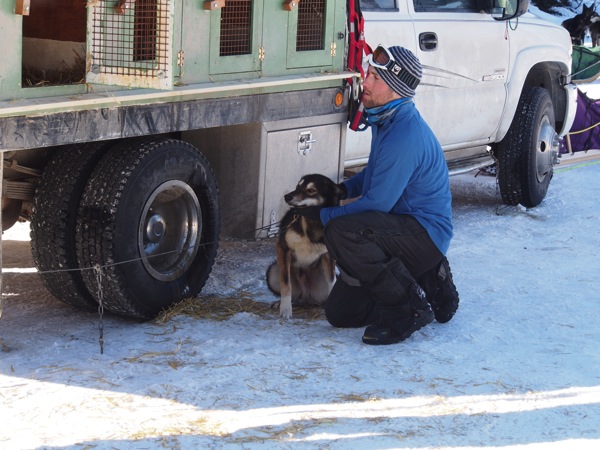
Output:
[[526, 154], [54, 218], [149, 218]]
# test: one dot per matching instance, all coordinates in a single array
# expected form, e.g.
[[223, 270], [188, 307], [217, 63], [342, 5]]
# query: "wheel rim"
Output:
[[169, 230], [545, 149]]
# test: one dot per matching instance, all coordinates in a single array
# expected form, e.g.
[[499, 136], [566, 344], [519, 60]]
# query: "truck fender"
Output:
[[544, 58], [571, 109]]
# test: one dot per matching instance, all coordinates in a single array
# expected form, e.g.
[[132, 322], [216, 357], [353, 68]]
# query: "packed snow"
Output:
[[517, 367]]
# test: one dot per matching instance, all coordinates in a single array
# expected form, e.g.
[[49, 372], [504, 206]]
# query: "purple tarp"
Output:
[[587, 118]]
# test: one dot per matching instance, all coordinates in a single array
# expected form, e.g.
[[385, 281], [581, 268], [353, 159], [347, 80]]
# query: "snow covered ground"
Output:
[[518, 366]]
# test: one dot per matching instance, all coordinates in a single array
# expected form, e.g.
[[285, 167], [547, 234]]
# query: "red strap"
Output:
[[357, 48], [356, 41]]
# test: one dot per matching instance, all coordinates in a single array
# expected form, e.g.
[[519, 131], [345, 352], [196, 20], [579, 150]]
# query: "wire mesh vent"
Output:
[[145, 30], [311, 25], [236, 28], [131, 38]]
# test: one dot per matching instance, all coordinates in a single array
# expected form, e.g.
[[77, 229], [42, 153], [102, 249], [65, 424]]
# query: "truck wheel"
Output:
[[53, 222], [526, 154], [149, 219]]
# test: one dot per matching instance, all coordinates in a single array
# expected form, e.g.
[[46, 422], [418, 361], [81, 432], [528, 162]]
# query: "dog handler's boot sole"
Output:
[[382, 334]]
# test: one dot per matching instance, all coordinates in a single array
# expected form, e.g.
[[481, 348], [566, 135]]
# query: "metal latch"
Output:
[[212, 5], [122, 6], [22, 7], [305, 141], [289, 5]]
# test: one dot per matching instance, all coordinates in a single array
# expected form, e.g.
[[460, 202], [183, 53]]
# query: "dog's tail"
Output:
[[273, 279]]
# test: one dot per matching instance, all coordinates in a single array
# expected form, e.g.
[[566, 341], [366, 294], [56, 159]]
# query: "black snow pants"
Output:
[[379, 256]]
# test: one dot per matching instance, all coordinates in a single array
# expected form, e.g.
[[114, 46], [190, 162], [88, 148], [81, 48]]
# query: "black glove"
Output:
[[309, 212]]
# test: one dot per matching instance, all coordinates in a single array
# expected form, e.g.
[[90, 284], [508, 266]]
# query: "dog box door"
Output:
[[235, 37], [290, 155], [130, 43], [312, 37]]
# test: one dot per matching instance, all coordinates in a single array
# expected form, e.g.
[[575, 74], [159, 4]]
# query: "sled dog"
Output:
[[304, 272]]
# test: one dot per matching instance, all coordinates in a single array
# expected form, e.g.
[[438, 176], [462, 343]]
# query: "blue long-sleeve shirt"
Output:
[[406, 174]]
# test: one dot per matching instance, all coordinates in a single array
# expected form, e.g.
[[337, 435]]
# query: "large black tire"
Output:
[[149, 217], [54, 218], [527, 153]]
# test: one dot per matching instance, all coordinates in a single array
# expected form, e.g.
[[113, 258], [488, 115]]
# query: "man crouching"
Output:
[[390, 242]]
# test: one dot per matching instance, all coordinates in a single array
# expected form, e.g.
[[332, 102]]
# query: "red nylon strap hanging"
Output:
[[357, 44], [356, 49]]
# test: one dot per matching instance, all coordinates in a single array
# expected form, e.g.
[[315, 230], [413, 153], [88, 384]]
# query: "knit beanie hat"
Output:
[[405, 82]]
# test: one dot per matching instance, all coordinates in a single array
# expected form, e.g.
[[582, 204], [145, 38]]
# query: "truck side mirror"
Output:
[[503, 9], [484, 5], [522, 7]]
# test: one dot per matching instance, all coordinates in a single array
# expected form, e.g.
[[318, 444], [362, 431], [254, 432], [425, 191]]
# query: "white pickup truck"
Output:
[[496, 85]]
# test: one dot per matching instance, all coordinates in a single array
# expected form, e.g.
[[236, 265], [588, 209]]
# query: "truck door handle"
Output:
[[428, 41]]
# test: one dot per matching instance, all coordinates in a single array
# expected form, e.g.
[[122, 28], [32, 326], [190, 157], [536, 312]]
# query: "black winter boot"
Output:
[[441, 291], [395, 325], [395, 331]]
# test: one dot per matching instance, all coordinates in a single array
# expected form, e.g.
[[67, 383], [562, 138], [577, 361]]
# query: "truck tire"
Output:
[[53, 222], [526, 155], [149, 221]]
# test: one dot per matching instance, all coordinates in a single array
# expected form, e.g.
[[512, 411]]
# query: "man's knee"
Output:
[[349, 306], [341, 318], [333, 316]]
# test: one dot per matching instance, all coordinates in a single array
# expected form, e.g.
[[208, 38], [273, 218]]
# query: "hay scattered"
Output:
[[285, 433], [357, 398], [223, 308], [68, 74]]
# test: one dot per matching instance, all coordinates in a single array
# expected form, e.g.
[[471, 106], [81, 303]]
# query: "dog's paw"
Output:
[[285, 311]]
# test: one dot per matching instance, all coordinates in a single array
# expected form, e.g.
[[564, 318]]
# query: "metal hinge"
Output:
[[180, 58], [261, 53], [333, 48]]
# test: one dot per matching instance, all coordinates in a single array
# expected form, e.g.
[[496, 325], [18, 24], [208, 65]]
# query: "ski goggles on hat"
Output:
[[383, 59]]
